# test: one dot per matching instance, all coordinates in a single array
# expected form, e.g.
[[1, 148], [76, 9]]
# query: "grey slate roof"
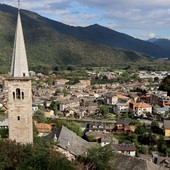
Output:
[[162, 109], [124, 162], [70, 141], [124, 121], [123, 147]]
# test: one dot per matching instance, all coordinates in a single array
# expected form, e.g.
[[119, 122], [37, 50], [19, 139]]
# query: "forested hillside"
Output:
[[46, 47], [50, 44]]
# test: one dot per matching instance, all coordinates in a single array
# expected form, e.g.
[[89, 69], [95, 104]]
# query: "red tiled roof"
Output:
[[120, 96], [142, 105], [43, 127]]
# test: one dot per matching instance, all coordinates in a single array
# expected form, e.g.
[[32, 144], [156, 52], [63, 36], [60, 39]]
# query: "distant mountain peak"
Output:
[[152, 40], [96, 25]]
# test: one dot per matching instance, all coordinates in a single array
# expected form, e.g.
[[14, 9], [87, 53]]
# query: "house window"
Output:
[[22, 95], [18, 117], [23, 74], [18, 93], [13, 95]]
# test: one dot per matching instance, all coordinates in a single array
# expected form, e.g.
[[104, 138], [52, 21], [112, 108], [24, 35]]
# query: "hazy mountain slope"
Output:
[[106, 36], [163, 43]]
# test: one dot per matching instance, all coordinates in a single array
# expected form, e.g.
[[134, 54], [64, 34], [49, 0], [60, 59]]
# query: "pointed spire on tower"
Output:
[[18, 5], [19, 67]]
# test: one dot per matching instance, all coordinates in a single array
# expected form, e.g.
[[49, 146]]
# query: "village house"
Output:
[[148, 75], [156, 96], [111, 99], [107, 139], [121, 107], [100, 127], [95, 127], [84, 83], [144, 98], [34, 107], [162, 110], [32, 73], [99, 88], [140, 108], [68, 104], [61, 82], [92, 107], [40, 92], [79, 94], [49, 113], [43, 128], [108, 75], [127, 149], [47, 103], [127, 87], [134, 96], [101, 137], [164, 101], [166, 128], [51, 91], [37, 101], [123, 126]]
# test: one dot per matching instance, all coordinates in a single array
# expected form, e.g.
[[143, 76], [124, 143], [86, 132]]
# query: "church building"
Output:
[[19, 92]]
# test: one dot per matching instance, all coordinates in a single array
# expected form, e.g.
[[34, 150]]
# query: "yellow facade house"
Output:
[[166, 128]]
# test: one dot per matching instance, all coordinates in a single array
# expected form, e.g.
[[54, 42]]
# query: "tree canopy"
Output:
[[165, 85], [31, 157]]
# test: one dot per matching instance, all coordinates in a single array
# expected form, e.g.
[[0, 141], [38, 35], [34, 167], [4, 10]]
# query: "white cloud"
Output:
[[152, 35], [127, 15], [59, 12]]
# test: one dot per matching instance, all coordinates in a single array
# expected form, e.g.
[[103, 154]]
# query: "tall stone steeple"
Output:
[[19, 92], [19, 67]]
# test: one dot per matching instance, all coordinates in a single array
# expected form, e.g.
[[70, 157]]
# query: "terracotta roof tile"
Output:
[[43, 127], [142, 105], [120, 96]]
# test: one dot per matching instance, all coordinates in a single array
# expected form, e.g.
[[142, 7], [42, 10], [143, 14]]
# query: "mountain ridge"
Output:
[[107, 36], [162, 42], [48, 44]]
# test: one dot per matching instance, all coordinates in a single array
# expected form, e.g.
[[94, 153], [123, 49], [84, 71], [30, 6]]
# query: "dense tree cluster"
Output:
[[31, 157], [165, 84], [98, 158], [42, 156]]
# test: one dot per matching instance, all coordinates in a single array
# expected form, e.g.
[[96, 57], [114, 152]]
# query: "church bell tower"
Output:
[[19, 91]]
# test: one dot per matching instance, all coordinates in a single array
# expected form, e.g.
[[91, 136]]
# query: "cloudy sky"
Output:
[[139, 18]]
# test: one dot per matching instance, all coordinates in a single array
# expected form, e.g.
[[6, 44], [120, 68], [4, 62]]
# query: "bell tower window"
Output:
[[18, 117], [22, 95], [13, 95], [18, 93]]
